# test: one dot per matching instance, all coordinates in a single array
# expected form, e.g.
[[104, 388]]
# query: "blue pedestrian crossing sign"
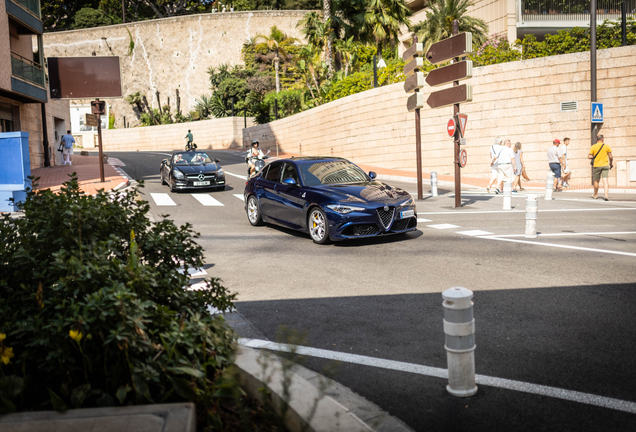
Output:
[[597, 112]]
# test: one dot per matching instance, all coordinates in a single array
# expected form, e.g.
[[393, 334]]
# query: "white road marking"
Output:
[[542, 390], [443, 226], [193, 272], [207, 200], [240, 196], [560, 246], [474, 233], [522, 211], [162, 199], [423, 220], [571, 234], [236, 175]]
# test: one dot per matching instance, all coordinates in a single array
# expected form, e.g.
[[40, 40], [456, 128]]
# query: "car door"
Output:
[[265, 189], [291, 198]]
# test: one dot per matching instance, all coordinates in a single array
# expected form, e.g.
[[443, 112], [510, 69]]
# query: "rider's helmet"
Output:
[[255, 142]]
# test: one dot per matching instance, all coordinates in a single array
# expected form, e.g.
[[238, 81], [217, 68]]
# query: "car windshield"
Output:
[[191, 158], [331, 172]]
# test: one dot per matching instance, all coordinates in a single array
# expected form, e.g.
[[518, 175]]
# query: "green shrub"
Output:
[[290, 102], [94, 310]]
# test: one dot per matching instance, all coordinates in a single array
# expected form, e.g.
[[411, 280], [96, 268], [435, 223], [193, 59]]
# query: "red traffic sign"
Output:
[[463, 158], [450, 96], [463, 119], [451, 127], [454, 72], [454, 46]]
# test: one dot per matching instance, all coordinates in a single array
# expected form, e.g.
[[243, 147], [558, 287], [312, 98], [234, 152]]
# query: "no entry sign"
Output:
[[451, 127], [463, 158]]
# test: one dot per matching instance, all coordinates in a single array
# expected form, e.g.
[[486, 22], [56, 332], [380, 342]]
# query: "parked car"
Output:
[[192, 170], [331, 199]]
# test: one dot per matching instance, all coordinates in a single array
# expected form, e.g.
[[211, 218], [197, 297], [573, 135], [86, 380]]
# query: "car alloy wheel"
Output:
[[254, 211], [318, 229]]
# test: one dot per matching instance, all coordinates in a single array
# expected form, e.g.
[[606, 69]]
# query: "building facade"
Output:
[[23, 84]]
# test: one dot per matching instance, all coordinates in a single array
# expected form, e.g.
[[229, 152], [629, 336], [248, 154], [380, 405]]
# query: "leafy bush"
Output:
[[289, 102], [94, 310]]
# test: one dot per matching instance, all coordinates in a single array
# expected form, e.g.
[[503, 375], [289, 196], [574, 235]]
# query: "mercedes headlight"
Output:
[[220, 173], [178, 174], [344, 209]]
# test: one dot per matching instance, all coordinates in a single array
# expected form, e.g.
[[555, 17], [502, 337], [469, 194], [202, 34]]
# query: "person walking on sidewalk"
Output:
[[565, 175], [507, 165], [556, 162], [602, 163], [495, 149], [67, 151], [518, 167]]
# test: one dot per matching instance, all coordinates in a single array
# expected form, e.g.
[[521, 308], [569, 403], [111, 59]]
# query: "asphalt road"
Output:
[[554, 311]]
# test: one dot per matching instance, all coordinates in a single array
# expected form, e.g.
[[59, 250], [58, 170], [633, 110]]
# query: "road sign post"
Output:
[[99, 108], [413, 84]]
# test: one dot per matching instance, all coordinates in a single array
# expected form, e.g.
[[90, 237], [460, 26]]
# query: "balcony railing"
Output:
[[26, 69], [573, 10], [31, 5]]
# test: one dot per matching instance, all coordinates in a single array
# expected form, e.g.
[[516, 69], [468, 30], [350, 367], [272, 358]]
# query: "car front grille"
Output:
[[386, 217], [196, 177], [361, 230], [403, 224]]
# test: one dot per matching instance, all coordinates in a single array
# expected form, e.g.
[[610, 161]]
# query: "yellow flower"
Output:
[[6, 354], [75, 335], [2, 337]]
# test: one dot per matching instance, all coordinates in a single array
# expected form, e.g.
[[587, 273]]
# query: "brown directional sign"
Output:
[[450, 96], [455, 46], [454, 72], [91, 120], [415, 101], [414, 65], [417, 49], [415, 81]]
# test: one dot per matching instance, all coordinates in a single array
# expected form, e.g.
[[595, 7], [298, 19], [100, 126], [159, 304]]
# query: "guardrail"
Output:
[[27, 69], [573, 10]]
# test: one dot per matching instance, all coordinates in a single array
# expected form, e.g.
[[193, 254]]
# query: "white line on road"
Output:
[[423, 220], [542, 390], [162, 199], [570, 234], [207, 200], [443, 226], [521, 211], [560, 246], [236, 175], [474, 233], [240, 196]]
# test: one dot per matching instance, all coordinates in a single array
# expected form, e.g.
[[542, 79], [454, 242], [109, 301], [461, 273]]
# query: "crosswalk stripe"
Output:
[[443, 226], [207, 200], [162, 199], [474, 233], [240, 196]]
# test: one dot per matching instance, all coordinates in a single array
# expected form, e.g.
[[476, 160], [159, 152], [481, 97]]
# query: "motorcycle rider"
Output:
[[252, 155]]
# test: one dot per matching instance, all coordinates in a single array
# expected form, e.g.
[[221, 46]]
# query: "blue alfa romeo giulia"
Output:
[[330, 198]]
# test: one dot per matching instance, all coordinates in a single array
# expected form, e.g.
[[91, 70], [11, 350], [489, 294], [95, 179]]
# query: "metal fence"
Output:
[[26, 69], [573, 10], [32, 5]]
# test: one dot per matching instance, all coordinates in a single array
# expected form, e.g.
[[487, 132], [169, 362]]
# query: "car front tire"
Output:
[[254, 211], [318, 226]]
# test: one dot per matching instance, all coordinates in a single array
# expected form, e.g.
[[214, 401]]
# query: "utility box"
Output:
[[15, 168]]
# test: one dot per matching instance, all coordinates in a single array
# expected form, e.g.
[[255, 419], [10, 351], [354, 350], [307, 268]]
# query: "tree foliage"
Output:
[[89, 17]]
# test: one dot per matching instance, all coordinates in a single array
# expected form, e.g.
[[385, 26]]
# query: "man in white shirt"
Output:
[[556, 162], [495, 149], [506, 162], [565, 175]]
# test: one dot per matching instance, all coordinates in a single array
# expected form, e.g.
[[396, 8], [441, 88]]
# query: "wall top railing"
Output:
[[573, 10]]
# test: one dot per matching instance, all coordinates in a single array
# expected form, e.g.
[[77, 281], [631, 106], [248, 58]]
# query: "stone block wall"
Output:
[[222, 133], [170, 54], [518, 100]]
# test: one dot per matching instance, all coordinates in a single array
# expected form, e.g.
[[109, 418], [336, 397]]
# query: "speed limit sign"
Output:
[[463, 158]]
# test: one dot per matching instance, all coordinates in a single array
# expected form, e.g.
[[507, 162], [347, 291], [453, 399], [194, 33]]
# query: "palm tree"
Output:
[[326, 16], [307, 59], [439, 23], [347, 50], [277, 42], [379, 23]]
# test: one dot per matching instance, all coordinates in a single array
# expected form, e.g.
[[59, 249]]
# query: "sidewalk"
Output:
[[87, 170]]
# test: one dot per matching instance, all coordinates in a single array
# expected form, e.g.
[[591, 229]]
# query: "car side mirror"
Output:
[[372, 175], [217, 160], [290, 181]]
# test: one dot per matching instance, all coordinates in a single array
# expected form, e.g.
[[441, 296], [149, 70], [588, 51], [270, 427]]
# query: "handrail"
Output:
[[26, 60], [573, 10], [32, 6]]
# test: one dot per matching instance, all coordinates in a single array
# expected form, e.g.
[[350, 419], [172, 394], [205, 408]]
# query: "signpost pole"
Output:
[[418, 146], [101, 151], [458, 182], [592, 71]]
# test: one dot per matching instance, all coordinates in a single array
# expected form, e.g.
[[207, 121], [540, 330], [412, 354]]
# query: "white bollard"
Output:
[[507, 195], [459, 329], [549, 186], [434, 183], [532, 205]]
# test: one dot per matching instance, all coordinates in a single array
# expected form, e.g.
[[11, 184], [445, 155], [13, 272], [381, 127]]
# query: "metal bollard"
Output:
[[507, 195], [532, 205], [549, 185], [276, 148], [331, 151], [300, 147], [434, 183], [459, 329]]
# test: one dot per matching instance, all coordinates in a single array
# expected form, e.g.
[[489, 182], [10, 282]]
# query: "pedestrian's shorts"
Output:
[[598, 172], [556, 169]]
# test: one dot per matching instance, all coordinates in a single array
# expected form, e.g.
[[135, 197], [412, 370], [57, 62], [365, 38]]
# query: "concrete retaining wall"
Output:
[[518, 100]]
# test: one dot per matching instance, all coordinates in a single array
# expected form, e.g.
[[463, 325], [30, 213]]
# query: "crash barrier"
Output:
[[532, 205], [507, 195], [549, 185], [459, 330]]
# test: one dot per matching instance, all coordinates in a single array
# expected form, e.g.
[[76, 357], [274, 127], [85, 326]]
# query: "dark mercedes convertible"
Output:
[[329, 198], [192, 170]]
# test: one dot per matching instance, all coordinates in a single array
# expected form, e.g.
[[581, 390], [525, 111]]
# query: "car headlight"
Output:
[[220, 173], [407, 203], [178, 174], [344, 209]]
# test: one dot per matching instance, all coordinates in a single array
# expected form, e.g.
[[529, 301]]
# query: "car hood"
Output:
[[368, 193], [196, 169]]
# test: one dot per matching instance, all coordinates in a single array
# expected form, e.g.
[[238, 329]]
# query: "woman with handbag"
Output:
[[520, 168]]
